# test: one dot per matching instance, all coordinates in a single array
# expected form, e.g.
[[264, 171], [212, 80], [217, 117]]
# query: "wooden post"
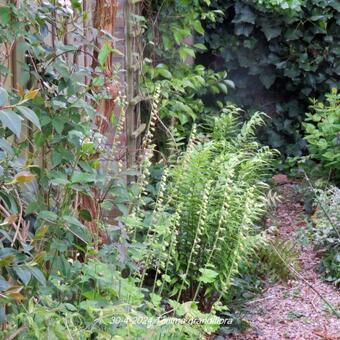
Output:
[[132, 79], [104, 19], [129, 84]]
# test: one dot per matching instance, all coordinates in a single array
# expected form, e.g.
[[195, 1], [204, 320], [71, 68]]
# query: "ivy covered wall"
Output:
[[277, 59]]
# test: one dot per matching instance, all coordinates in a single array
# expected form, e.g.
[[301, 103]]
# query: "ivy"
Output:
[[278, 58]]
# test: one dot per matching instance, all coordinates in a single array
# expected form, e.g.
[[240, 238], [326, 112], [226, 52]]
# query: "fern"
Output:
[[277, 257], [213, 196]]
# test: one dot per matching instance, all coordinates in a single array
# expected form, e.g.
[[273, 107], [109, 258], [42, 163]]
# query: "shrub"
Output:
[[95, 301], [323, 131], [326, 232]]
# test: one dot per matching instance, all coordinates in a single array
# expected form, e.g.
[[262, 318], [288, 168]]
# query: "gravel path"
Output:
[[293, 310]]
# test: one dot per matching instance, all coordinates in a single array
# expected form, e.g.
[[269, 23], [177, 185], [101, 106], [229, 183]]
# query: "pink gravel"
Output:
[[292, 310]]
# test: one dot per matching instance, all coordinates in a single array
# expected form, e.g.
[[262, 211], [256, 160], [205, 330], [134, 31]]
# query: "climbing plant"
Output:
[[170, 61], [54, 155], [278, 58]]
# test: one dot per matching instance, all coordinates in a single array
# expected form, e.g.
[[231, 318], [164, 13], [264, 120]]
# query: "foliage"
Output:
[[10, 119], [268, 263], [277, 60], [82, 250], [201, 223], [326, 233], [182, 89], [275, 258], [170, 62], [58, 168], [59, 183], [281, 5], [94, 300], [323, 131]]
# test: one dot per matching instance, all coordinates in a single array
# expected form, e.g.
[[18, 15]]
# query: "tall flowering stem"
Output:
[[220, 228], [198, 234], [147, 149]]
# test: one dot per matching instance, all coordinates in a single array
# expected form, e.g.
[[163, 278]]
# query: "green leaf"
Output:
[[85, 214], [107, 205], [48, 215], [5, 146], [5, 16], [3, 96], [82, 177], [178, 35], [230, 83], [178, 307], [56, 158], [223, 88], [29, 115], [71, 307], [208, 275], [58, 124], [77, 228], [243, 29], [200, 46], [11, 120], [37, 273], [75, 137], [155, 299], [271, 31], [3, 284], [104, 53], [24, 274], [267, 79], [244, 14], [164, 73], [185, 52], [198, 27], [98, 81]]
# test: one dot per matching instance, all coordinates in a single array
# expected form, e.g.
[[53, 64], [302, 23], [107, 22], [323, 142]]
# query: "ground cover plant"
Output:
[[87, 287]]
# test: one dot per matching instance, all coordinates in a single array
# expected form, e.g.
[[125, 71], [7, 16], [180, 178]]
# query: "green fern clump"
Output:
[[277, 257], [213, 196]]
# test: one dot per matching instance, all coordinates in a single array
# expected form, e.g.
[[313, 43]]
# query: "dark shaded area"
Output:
[[277, 62]]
